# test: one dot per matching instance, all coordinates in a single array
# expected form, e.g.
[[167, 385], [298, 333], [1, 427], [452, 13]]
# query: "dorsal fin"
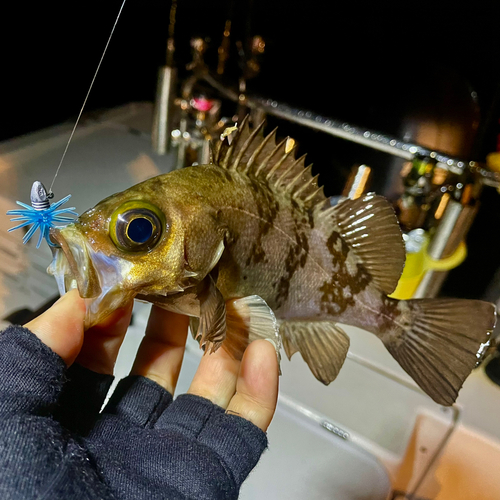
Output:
[[253, 153], [368, 224], [371, 230]]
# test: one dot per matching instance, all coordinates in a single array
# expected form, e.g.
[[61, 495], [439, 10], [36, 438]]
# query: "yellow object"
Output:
[[417, 264], [493, 161]]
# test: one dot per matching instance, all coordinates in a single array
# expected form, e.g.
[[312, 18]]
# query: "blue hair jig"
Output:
[[41, 214]]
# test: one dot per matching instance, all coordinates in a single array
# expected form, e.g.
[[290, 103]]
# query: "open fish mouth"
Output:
[[98, 277], [72, 264]]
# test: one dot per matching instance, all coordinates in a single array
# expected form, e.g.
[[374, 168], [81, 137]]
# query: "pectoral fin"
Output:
[[323, 346], [212, 324], [249, 319]]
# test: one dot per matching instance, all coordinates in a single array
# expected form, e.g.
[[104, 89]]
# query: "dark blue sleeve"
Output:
[[81, 399], [55, 444], [39, 458]]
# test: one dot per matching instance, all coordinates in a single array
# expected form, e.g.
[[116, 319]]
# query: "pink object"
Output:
[[202, 103]]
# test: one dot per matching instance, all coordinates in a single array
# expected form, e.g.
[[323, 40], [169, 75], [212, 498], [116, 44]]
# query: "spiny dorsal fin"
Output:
[[252, 153], [369, 226]]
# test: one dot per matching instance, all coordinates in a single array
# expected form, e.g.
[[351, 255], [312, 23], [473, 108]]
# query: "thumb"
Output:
[[61, 326], [257, 386]]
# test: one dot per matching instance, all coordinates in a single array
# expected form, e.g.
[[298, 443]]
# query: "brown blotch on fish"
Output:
[[292, 263], [334, 299], [389, 313], [267, 210], [337, 247]]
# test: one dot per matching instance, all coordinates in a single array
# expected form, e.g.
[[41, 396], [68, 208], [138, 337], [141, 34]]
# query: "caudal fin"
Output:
[[442, 343]]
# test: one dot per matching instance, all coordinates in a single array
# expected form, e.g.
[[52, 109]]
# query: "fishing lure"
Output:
[[42, 215]]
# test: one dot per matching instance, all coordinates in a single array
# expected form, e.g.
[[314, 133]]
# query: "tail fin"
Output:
[[443, 342]]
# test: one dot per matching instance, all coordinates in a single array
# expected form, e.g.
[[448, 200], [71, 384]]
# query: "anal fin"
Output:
[[322, 344]]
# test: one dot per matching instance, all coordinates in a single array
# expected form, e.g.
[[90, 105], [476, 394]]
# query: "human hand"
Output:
[[143, 445]]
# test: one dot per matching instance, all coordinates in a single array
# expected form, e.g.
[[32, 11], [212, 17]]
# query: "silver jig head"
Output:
[[41, 214]]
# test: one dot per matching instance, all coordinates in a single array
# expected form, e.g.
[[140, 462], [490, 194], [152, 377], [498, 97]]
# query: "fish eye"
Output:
[[140, 230], [136, 226]]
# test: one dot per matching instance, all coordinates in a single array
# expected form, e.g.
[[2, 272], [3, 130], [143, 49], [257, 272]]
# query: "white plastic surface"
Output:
[[303, 461]]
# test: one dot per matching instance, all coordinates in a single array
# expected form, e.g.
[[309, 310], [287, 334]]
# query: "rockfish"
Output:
[[250, 247]]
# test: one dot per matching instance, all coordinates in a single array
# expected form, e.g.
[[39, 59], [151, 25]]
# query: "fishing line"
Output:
[[50, 193], [41, 215]]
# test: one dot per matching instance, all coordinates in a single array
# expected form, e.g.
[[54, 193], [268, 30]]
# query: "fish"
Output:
[[250, 247]]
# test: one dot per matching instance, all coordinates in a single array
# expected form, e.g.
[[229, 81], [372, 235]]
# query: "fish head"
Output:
[[130, 243]]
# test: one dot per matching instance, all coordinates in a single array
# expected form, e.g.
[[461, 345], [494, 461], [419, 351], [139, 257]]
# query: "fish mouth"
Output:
[[98, 277], [73, 263]]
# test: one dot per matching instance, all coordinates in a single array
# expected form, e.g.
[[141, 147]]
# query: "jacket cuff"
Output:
[[32, 374], [82, 398], [237, 441]]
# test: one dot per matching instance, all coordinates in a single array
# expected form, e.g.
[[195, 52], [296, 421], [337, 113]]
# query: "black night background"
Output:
[[370, 63]]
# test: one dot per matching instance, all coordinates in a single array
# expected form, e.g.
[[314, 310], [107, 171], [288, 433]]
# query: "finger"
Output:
[[102, 342], [257, 386], [216, 378], [160, 354], [61, 326]]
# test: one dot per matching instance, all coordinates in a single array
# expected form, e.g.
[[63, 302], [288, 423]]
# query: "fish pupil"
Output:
[[140, 230]]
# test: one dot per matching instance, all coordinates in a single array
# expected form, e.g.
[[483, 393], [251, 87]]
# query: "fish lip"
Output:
[[79, 260], [97, 275]]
